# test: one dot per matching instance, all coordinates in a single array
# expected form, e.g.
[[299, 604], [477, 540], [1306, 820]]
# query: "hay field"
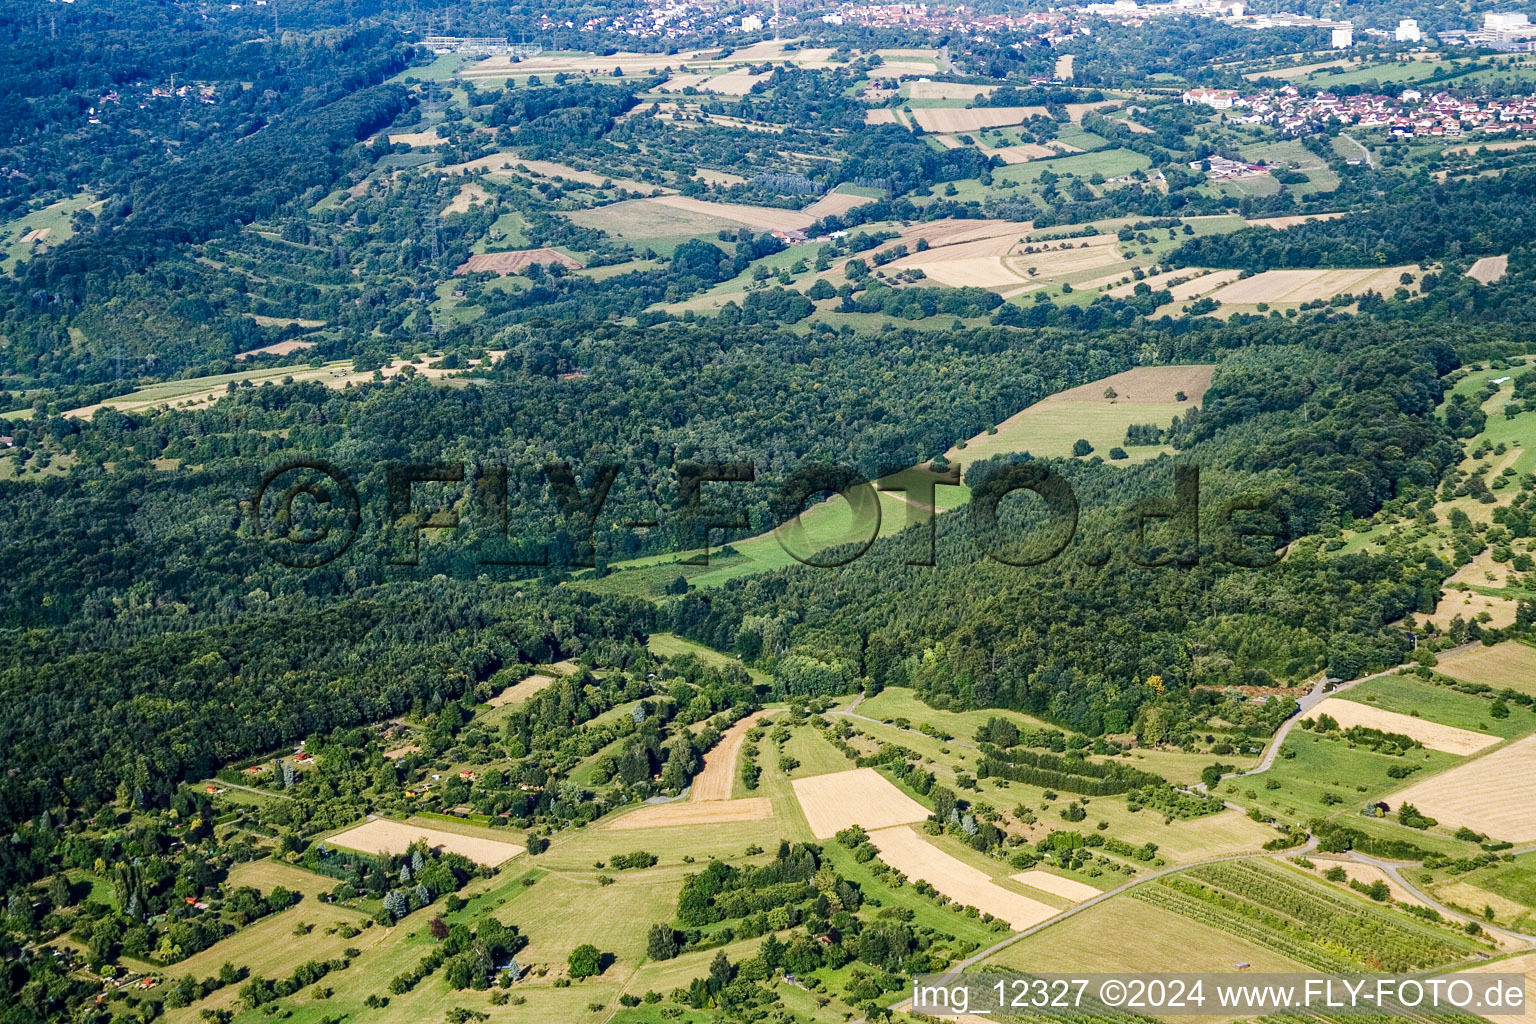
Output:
[[683, 80], [280, 348], [947, 91], [944, 120], [688, 812], [1056, 885], [733, 83], [521, 690], [1508, 664], [1022, 153], [1048, 428], [664, 216], [764, 218], [514, 261], [1203, 285], [1168, 279], [1284, 286], [1489, 269], [859, 797], [835, 203], [466, 197], [709, 176], [429, 137], [381, 835], [714, 782], [1433, 735], [996, 262], [1125, 934], [1495, 793], [880, 115], [1281, 223], [907, 852]]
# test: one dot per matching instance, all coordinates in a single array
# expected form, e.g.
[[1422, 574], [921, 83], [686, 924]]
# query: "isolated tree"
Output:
[[661, 942], [585, 961]]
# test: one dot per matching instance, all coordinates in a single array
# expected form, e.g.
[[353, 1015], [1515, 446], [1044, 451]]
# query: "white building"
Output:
[[1408, 31], [1343, 37], [1216, 99], [751, 23], [1496, 22]]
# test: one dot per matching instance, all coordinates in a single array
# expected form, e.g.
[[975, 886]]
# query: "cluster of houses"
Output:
[[667, 19], [1410, 114]]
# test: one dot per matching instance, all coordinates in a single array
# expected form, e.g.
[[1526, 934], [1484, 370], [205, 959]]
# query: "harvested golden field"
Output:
[[1495, 793], [1056, 885], [912, 855], [1433, 735], [1048, 429], [1288, 286], [424, 138], [733, 83], [521, 690], [688, 812], [1489, 269], [1168, 279], [280, 348], [1203, 285], [1125, 934], [972, 119], [1154, 384], [880, 115], [1492, 147], [859, 797], [1001, 261], [1281, 223], [947, 91], [381, 835], [834, 203], [1468, 605], [514, 261], [1508, 664], [1064, 67], [714, 782], [683, 80]]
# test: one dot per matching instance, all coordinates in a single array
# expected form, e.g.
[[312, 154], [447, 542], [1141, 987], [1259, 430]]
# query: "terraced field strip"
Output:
[[381, 835], [1433, 735], [1494, 794], [714, 782], [522, 690], [1056, 885], [859, 797], [1510, 664], [687, 812], [912, 855]]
